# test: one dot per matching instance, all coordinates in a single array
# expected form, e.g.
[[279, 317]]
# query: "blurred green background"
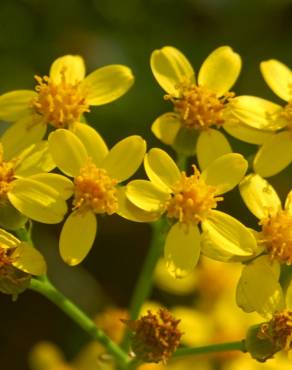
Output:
[[35, 32]]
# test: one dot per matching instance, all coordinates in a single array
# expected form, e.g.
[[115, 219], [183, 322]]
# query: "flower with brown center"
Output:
[[155, 336]]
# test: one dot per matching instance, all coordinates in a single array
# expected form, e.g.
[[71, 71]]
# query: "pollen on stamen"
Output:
[[192, 199], [95, 190], [199, 107], [277, 236], [60, 104]]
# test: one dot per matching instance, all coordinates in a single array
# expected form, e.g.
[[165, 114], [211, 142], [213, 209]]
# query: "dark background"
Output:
[[32, 34]]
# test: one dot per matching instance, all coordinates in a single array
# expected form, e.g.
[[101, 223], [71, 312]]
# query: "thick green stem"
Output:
[[220, 347], [49, 291]]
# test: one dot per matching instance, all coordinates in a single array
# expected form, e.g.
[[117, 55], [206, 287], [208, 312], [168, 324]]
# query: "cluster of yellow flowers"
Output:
[[48, 131]]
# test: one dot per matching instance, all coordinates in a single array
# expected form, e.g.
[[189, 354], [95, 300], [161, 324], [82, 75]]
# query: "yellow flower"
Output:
[[25, 185], [259, 289], [62, 97], [259, 114], [20, 255], [97, 173], [198, 105], [189, 201]]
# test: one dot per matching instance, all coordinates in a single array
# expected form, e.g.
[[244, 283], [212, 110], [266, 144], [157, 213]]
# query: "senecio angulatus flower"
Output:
[[25, 185], [97, 172], [61, 98], [259, 288], [18, 261], [200, 104], [271, 123], [190, 201], [155, 336]]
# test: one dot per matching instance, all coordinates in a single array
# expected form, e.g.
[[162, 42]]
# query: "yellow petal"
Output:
[[220, 70], [166, 127], [15, 104], [34, 159], [274, 155], [225, 172], [170, 68], [71, 66], [278, 76], [259, 196], [246, 133], [20, 135], [161, 169], [59, 183], [77, 236], [257, 113], [145, 195], [68, 151], [8, 240], [125, 157], [258, 288], [288, 203], [182, 249], [29, 260], [130, 212], [37, 201], [95, 146], [211, 144], [226, 239], [107, 84]]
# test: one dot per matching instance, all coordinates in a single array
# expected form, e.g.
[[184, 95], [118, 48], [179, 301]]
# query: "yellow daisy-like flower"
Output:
[[198, 105], [62, 97], [25, 185], [259, 288], [189, 201], [266, 118], [97, 173], [20, 255]]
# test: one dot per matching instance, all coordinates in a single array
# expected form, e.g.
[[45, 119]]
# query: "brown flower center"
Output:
[[60, 104], [5, 257], [277, 236], [199, 107], [156, 337], [192, 199], [279, 330], [95, 190]]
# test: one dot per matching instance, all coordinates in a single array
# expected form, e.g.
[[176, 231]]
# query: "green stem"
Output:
[[46, 289], [144, 283], [220, 347]]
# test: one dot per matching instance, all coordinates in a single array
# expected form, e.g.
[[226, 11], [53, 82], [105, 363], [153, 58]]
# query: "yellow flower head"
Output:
[[191, 200], [17, 256], [61, 98], [97, 172], [25, 185], [260, 120], [198, 105], [276, 222]]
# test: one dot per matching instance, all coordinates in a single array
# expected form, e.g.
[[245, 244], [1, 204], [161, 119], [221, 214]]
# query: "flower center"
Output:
[[277, 236], [279, 330], [199, 107], [192, 199], [5, 258], [287, 114], [6, 176], [60, 104], [95, 190]]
